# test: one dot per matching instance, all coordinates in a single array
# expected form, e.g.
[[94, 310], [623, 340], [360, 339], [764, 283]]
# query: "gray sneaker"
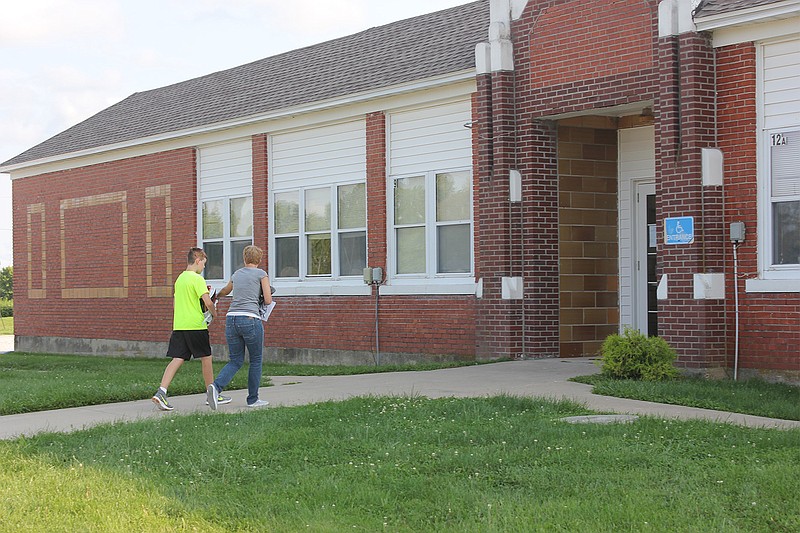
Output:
[[258, 403], [160, 399], [222, 400], [212, 397]]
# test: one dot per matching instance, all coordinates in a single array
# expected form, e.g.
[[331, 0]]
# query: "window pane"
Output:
[[452, 196], [319, 255], [352, 206], [287, 212], [352, 253], [287, 257], [318, 210], [237, 249], [410, 250], [242, 217], [453, 249], [409, 200], [212, 219], [786, 233], [214, 265]]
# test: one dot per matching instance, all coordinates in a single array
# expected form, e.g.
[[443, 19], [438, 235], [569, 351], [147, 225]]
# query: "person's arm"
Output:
[[226, 290], [266, 290], [210, 305]]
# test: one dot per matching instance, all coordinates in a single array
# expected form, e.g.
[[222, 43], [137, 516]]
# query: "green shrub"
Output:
[[634, 355], [6, 308]]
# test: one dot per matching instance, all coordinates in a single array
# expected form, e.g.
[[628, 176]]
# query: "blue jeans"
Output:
[[243, 331]]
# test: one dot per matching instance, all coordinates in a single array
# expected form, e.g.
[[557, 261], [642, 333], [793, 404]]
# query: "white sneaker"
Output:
[[258, 403], [212, 397]]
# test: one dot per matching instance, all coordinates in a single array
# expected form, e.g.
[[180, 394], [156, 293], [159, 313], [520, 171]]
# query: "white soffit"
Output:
[[785, 9]]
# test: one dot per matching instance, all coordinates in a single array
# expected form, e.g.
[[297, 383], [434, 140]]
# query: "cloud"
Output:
[[45, 22]]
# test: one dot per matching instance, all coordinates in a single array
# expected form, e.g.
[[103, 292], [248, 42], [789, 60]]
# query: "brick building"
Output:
[[529, 176]]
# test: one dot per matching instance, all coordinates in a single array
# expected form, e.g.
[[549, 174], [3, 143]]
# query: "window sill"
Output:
[[358, 288], [772, 285], [321, 288], [434, 286]]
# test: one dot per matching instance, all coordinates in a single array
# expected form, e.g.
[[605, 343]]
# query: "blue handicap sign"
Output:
[[679, 230]]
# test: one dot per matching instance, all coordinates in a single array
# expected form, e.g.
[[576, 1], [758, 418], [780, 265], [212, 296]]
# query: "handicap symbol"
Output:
[[678, 227]]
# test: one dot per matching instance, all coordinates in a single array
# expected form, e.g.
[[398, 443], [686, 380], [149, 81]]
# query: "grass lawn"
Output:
[[7, 325], [403, 465], [754, 397]]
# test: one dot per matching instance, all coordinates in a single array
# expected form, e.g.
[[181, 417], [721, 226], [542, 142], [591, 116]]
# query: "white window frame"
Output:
[[771, 278], [226, 238], [311, 285], [429, 282]]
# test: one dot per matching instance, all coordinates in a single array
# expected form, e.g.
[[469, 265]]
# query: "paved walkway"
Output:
[[6, 343], [535, 378]]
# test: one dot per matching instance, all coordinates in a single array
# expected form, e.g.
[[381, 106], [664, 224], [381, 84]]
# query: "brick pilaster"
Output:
[[260, 193], [498, 321], [376, 190], [684, 125]]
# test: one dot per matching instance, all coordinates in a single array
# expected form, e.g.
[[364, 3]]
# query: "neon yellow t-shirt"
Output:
[[189, 288]]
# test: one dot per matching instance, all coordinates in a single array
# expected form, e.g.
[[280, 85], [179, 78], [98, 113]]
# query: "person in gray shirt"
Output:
[[243, 328]]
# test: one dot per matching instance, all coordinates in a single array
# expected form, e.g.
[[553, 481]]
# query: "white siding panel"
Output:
[[637, 161], [319, 156], [430, 138], [225, 169], [781, 98]]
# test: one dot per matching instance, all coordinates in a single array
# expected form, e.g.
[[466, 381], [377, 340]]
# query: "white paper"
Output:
[[265, 311]]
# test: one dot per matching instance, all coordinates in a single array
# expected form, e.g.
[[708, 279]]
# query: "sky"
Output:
[[62, 62]]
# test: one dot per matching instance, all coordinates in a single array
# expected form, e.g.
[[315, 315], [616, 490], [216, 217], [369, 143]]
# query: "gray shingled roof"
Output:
[[708, 8], [409, 50]]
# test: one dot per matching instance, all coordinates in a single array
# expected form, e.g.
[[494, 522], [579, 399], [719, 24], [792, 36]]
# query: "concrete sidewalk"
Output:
[[535, 378], [6, 343]]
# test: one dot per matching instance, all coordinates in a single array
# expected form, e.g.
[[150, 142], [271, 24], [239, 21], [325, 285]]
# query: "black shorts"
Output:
[[185, 344]]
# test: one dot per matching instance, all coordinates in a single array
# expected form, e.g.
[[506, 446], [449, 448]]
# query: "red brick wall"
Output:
[[574, 41], [99, 240], [769, 323], [622, 56], [434, 325], [96, 232]]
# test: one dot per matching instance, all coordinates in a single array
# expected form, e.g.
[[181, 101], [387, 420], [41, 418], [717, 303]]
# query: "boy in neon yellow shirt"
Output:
[[189, 328]]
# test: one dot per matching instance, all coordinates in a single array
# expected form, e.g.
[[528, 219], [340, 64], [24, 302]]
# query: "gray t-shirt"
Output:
[[246, 290]]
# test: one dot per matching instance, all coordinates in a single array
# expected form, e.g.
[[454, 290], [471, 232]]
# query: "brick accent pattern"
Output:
[[72, 267], [588, 244]]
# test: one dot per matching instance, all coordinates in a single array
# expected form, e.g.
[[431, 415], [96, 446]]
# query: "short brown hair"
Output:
[[195, 254], [252, 255]]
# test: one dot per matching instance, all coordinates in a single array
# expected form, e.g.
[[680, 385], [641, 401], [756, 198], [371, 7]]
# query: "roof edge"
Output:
[[749, 15], [322, 105]]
